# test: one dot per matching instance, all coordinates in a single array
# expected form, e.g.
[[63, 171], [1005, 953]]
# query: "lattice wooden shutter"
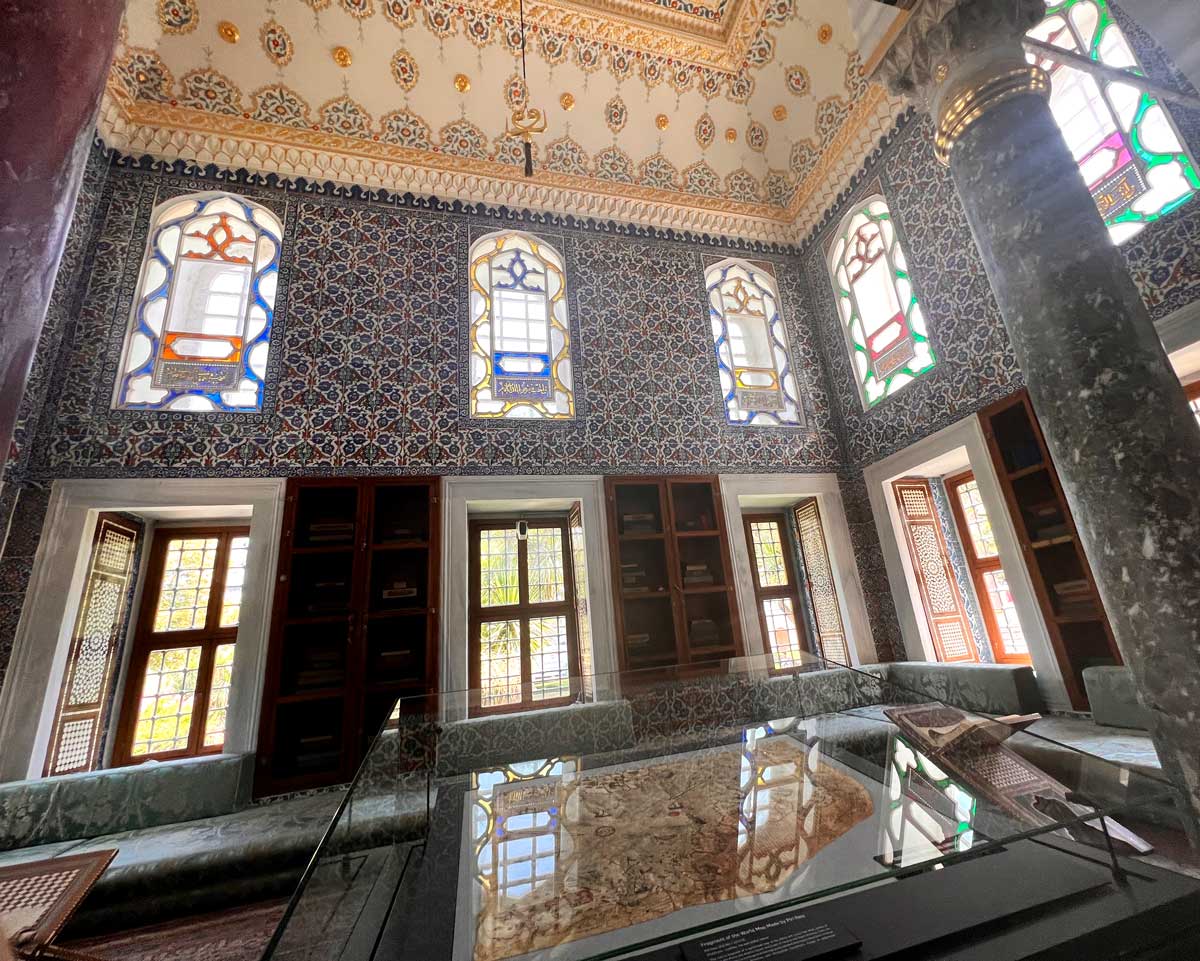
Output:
[[91, 661], [944, 609], [822, 594]]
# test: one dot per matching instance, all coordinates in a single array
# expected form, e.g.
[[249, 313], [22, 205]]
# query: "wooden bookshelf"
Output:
[[672, 573], [1062, 578], [354, 623]]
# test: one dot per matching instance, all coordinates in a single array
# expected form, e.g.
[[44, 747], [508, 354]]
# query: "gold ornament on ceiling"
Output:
[[526, 121], [824, 33], [342, 56], [941, 72], [462, 83], [567, 101], [780, 112], [228, 32], [662, 121], [730, 134]]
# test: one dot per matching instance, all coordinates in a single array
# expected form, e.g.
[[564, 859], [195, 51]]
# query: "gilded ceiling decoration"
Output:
[[348, 90]]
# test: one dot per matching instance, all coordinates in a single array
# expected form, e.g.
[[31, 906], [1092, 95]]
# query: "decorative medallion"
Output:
[[516, 94], [342, 56], [653, 71], [824, 33], [730, 135], [615, 114], [797, 81], [462, 83], [209, 90], [401, 13], [178, 16], [567, 101], [276, 43], [740, 87], [779, 113], [406, 130], [706, 130], [756, 137], [346, 117], [662, 121], [359, 8], [404, 69], [620, 64], [228, 32], [278, 104]]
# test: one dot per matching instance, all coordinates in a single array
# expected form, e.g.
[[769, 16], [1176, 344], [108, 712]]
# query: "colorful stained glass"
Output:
[[201, 325], [753, 359], [884, 327], [1128, 150], [520, 338]]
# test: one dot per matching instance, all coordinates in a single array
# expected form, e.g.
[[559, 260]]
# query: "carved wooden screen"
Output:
[[944, 612], [75, 744], [827, 612]]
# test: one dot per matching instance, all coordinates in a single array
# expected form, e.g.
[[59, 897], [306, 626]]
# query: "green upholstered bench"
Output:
[[985, 688]]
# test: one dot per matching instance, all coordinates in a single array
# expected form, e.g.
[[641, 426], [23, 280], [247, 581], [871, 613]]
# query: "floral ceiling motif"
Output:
[[710, 65]]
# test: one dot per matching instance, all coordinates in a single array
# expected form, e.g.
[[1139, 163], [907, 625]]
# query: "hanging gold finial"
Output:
[[526, 121]]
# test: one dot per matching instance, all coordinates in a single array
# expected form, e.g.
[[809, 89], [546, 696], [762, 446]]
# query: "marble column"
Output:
[[1125, 444], [54, 57]]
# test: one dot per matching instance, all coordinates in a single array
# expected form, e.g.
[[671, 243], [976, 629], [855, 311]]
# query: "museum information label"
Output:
[[799, 937]]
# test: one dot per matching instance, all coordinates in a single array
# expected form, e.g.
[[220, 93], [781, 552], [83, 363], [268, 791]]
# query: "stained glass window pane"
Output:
[[186, 583], [164, 717], [520, 364], [499, 663], [201, 325], [783, 636], [545, 554], [218, 697], [754, 362], [499, 574], [769, 560], [1129, 153], [1194, 404], [235, 580], [884, 328], [983, 541]]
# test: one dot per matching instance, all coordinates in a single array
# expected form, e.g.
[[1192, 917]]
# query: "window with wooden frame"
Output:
[[1005, 636], [177, 688], [523, 632], [945, 614], [1193, 397], [776, 594]]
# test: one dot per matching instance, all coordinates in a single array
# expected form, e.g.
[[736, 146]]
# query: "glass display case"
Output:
[[657, 810]]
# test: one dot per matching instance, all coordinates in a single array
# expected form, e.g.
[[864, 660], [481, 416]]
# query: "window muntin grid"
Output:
[[200, 329], [884, 327], [754, 363], [1129, 152], [520, 340]]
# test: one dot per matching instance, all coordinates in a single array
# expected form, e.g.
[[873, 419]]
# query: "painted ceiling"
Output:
[[728, 116]]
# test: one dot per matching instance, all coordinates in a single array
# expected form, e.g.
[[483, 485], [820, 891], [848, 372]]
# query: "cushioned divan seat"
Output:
[[986, 688]]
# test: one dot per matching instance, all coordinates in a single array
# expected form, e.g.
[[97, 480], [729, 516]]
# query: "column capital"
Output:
[[958, 58]]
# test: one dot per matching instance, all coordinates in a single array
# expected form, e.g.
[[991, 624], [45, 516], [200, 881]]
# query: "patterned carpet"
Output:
[[237, 935]]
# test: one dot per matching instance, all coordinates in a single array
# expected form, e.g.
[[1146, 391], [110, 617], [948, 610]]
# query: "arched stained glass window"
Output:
[[201, 324], [520, 339], [753, 359], [1128, 150], [884, 327]]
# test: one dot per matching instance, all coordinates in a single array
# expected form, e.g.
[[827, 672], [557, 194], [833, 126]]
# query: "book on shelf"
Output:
[[636, 641], [699, 580], [1051, 531], [1072, 589], [398, 592], [639, 523], [704, 631], [332, 677]]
